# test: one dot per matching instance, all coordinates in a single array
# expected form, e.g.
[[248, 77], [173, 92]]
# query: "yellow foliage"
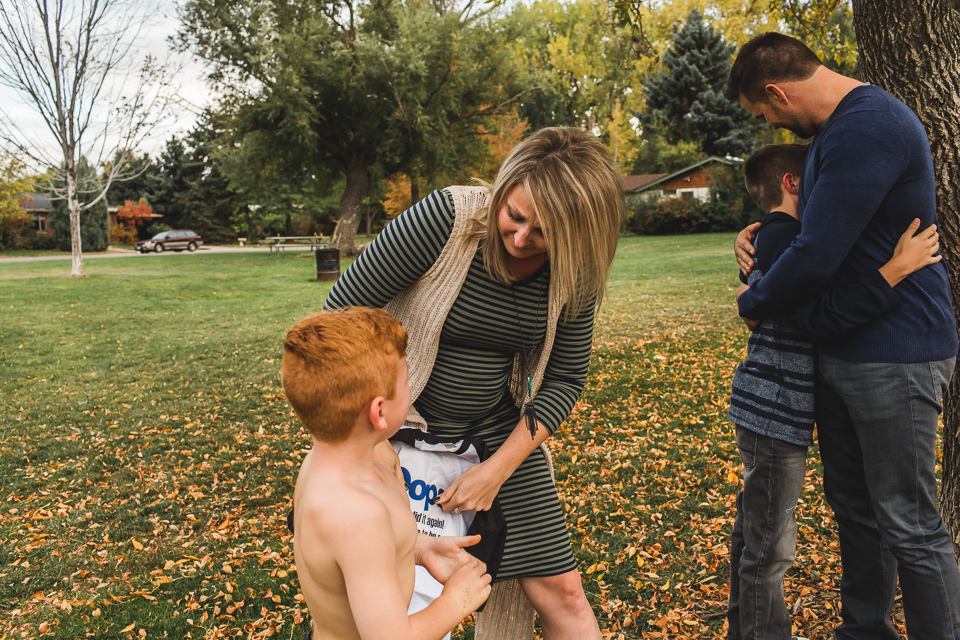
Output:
[[501, 135], [11, 185], [504, 133], [398, 195]]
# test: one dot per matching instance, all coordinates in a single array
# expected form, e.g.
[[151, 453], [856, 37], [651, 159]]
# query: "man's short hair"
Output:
[[769, 58], [765, 169], [336, 362]]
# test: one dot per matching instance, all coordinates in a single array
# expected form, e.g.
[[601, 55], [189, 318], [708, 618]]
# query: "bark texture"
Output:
[[911, 48], [73, 206], [358, 184]]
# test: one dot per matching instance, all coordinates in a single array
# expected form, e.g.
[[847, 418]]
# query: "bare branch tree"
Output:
[[76, 63]]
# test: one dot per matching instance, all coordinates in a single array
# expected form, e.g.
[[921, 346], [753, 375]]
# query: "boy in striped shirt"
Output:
[[772, 401]]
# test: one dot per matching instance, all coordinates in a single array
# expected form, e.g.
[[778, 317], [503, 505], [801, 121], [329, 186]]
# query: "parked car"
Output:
[[173, 240]]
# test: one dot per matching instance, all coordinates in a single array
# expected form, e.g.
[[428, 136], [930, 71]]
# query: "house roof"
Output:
[[663, 177], [35, 201], [631, 183]]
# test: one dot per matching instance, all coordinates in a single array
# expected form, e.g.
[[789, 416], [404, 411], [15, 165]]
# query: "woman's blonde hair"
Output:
[[577, 196]]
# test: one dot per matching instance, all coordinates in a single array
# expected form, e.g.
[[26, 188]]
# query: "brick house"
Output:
[[690, 182], [37, 206]]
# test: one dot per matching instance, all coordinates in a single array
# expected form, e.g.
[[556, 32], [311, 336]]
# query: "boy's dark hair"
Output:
[[769, 57], [766, 167]]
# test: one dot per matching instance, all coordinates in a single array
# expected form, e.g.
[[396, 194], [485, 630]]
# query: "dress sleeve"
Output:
[[404, 251], [566, 371]]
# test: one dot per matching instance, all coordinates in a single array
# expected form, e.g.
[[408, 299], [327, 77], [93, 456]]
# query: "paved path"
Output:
[[129, 253]]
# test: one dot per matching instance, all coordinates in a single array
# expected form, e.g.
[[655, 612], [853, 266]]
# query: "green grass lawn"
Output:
[[147, 454]]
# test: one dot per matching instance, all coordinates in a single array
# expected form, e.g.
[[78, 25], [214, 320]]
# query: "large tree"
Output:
[[71, 61], [364, 87], [912, 49]]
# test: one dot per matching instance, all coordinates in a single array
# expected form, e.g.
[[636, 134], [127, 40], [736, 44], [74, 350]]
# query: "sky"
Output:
[[191, 87]]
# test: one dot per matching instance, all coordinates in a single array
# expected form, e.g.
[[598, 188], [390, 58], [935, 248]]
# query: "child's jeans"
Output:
[[764, 536]]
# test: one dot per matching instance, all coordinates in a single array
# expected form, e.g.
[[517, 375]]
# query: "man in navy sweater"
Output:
[[879, 388]]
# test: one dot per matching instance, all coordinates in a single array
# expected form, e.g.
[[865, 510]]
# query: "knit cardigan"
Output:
[[422, 307]]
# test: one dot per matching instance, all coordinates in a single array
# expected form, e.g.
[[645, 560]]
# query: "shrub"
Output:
[[15, 232], [129, 216]]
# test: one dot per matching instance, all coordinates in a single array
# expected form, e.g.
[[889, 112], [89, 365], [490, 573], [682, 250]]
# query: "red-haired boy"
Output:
[[356, 541]]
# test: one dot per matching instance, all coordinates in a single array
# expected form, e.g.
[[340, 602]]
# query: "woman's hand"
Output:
[[743, 247], [474, 490], [443, 556]]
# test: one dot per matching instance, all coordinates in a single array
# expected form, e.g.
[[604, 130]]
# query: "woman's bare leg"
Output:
[[562, 606]]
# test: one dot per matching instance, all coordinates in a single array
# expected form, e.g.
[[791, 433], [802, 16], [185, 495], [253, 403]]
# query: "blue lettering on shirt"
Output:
[[420, 490]]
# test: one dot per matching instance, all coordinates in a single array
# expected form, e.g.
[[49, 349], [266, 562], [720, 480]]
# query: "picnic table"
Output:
[[280, 243]]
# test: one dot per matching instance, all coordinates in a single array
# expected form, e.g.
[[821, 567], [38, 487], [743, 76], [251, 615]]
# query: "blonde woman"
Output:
[[497, 287]]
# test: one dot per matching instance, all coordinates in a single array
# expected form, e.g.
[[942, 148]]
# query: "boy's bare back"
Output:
[[353, 529]]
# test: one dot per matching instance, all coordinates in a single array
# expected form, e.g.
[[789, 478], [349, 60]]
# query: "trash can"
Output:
[[328, 264]]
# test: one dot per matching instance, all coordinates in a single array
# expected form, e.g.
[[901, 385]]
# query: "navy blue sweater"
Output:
[[868, 174]]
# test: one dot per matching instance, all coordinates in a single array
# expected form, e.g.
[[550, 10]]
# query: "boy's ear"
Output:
[[375, 414], [790, 183]]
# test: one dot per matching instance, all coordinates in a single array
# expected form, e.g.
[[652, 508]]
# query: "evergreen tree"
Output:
[[191, 191], [144, 184], [685, 98], [94, 222]]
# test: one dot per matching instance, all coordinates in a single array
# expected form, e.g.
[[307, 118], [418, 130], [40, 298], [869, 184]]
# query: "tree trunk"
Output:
[[911, 48], [414, 190], [369, 220], [73, 207], [358, 183]]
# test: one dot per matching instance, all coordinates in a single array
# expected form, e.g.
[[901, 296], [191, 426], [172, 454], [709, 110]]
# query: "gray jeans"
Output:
[[764, 536], [877, 427]]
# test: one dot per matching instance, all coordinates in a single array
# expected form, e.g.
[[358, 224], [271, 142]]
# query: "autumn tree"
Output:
[[12, 184], [73, 64], [129, 215], [354, 87], [13, 218]]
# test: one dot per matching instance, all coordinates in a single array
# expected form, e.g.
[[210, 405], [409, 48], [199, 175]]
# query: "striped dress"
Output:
[[467, 394]]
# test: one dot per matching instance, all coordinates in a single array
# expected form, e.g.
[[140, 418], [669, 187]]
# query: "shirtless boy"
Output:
[[356, 541]]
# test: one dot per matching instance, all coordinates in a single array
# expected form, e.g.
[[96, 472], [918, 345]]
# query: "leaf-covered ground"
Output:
[[147, 454]]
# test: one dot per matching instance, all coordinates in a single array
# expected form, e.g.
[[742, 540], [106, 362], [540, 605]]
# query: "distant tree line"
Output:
[[333, 116]]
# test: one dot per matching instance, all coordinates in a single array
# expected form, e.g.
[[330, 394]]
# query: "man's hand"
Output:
[[474, 490], [443, 556], [743, 247]]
